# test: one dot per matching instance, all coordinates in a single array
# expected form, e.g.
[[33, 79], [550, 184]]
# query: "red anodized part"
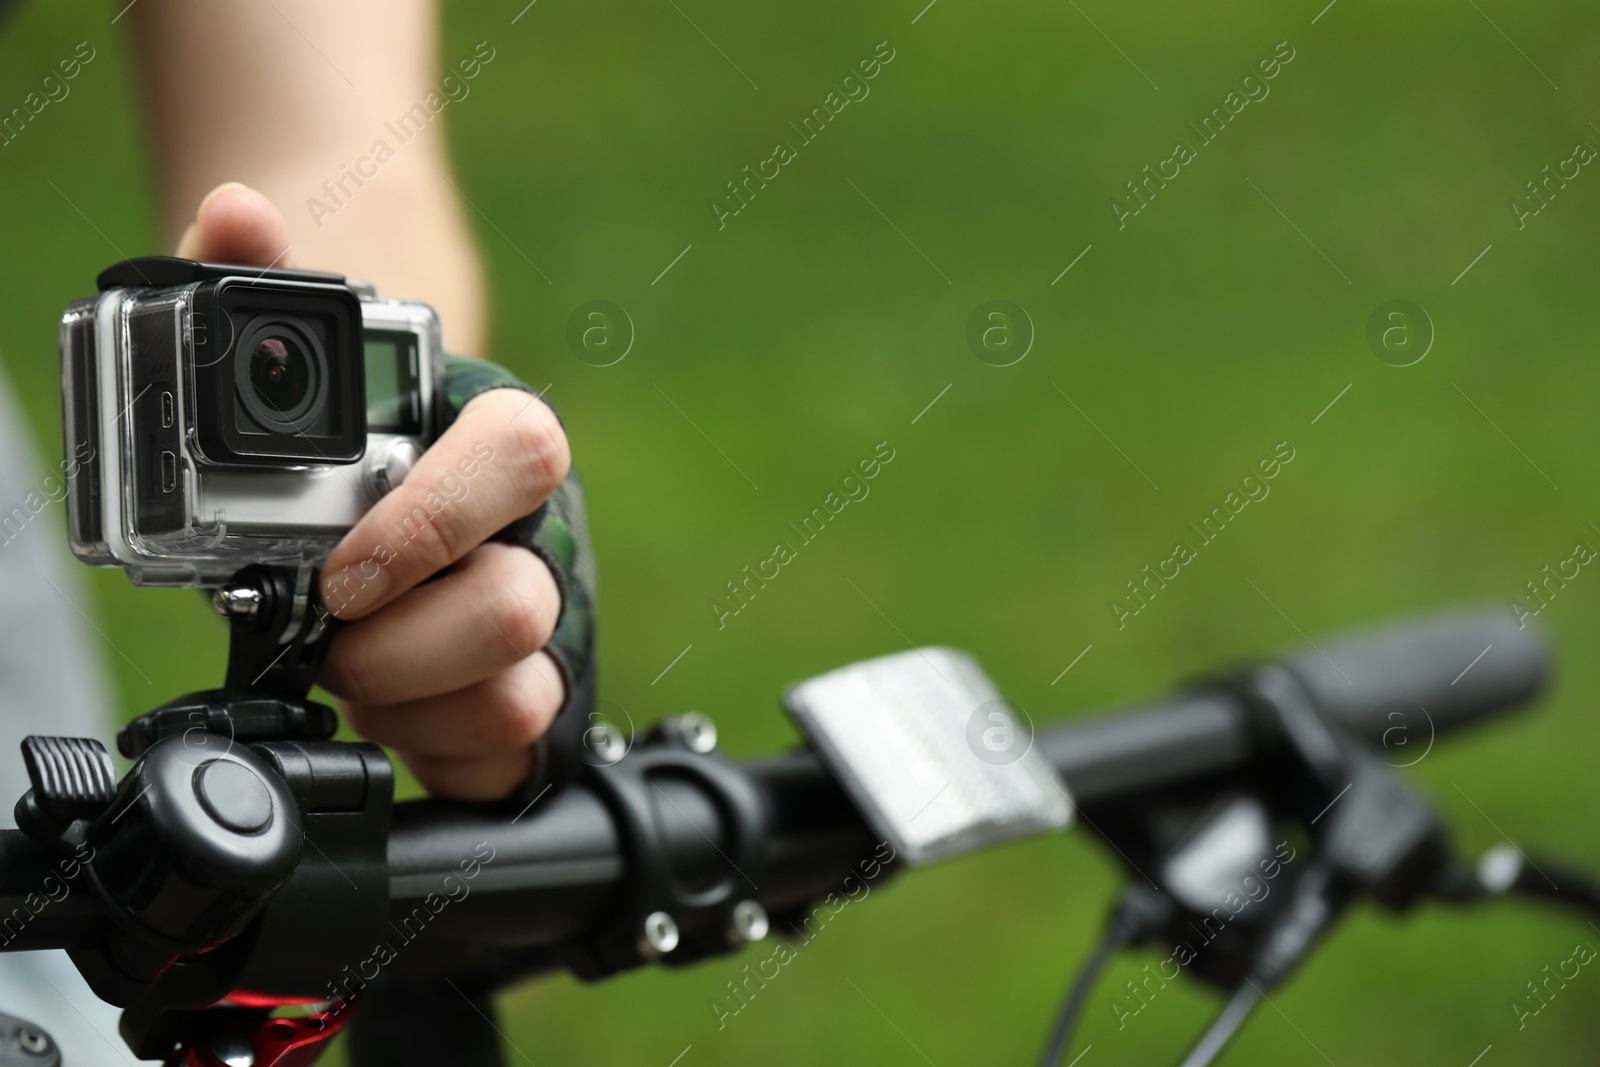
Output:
[[280, 1042]]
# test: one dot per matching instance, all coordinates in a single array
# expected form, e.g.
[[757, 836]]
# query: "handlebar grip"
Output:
[[1458, 668]]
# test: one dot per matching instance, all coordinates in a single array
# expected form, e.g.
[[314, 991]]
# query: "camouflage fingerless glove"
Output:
[[558, 534]]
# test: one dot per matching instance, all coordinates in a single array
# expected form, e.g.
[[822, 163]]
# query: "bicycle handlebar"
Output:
[[560, 868], [563, 865], [1456, 668], [1459, 668]]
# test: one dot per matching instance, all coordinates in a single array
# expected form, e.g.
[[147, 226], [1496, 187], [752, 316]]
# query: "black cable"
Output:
[[1316, 901], [1559, 883], [1226, 1024], [1111, 941], [1138, 909], [1506, 869]]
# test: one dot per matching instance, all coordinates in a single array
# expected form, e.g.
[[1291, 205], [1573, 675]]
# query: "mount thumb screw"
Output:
[[238, 601]]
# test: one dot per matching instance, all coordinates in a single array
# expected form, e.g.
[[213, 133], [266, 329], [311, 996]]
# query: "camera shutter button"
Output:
[[388, 466]]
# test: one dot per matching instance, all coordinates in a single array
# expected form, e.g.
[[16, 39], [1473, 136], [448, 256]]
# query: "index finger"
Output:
[[497, 462]]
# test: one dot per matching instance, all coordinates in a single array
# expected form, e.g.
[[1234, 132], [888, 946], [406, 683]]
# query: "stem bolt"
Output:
[[749, 921], [698, 732], [605, 743], [660, 933]]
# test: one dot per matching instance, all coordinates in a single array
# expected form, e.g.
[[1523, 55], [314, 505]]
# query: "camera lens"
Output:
[[280, 373], [282, 376], [279, 378]]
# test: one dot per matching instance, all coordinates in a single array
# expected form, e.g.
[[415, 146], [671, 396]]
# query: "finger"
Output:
[[497, 463], [496, 608], [502, 714], [476, 778], [236, 224]]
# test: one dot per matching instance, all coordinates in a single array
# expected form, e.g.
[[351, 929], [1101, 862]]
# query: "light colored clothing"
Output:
[[50, 683], [50, 676]]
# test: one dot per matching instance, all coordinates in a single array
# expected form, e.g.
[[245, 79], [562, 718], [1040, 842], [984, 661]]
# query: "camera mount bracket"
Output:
[[278, 638], [279, 635]]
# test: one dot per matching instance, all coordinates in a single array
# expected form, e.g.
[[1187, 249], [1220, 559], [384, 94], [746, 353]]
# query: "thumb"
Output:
[[237, 224]]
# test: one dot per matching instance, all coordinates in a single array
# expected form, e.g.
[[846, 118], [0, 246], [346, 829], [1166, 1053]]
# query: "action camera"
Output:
[[218, 416]]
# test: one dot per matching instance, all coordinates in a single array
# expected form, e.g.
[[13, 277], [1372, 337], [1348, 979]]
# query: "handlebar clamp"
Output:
[[678, 916]]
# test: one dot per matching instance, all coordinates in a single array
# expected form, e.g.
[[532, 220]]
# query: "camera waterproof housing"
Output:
[[219, 416]]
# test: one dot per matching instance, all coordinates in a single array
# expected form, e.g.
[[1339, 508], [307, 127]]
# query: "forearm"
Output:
[[236, 93]]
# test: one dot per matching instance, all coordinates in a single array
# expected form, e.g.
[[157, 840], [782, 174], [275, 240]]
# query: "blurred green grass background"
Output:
[[1195, 339]]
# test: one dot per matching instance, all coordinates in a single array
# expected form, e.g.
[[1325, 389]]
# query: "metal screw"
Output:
[[699, 733], [749, 921], [1500, 867], [660, 932], [237, 601], [605, 742], [32, 1041]]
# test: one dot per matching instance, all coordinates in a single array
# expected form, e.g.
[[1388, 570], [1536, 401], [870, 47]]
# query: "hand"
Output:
[[449, 673]]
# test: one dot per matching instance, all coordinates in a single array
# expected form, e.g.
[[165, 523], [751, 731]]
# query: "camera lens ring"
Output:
[[279, 346]]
